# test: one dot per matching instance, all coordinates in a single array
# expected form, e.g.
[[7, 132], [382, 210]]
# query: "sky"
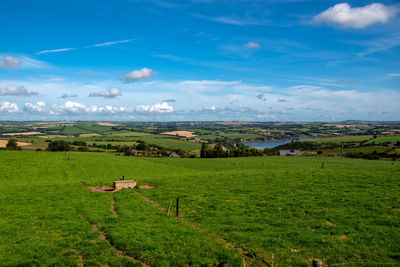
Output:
[[200, 60]]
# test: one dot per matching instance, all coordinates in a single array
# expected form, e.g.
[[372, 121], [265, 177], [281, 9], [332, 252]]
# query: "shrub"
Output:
[[59, 145], [12, 145]]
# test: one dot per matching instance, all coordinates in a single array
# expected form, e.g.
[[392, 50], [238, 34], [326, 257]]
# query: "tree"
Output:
[[12, 145], [204, 149], [59, 145]]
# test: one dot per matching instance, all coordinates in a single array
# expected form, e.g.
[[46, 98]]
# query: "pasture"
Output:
[[282, 209]]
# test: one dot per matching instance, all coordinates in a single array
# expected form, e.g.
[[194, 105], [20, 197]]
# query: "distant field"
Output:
[[21, 133], [364, 149], [74, 130], [384, 139], [282, 207], [180, 133], [355, 138], [230, 136], [3, 143], [173, 143]]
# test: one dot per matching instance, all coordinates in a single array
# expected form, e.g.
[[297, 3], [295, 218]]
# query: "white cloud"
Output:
[[252, 45], [211, 108], [13, 90], [157, 108], [343, 15], [76, 108], [71, 107], [10, 62], [232, 20], [8, 107], [112, 43], [111, 93], [135, 75], [35, 108], [394, 75], [54, 50]]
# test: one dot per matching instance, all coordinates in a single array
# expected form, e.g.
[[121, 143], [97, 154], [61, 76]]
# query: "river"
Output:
[[270, 144]]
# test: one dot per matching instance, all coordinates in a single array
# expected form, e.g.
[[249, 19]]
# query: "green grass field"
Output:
[[341, 139], [282, 207], [384, 139], [363, 149]]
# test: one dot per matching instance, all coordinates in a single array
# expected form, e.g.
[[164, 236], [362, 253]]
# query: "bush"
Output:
[[59, 145], [79, 143], [12, 145]]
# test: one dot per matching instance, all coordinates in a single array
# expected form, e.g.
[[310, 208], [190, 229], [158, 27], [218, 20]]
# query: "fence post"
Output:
[[169, 207], [317, 263], [177, 207]]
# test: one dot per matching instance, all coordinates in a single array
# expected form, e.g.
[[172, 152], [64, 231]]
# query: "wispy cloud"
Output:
[[169, 101], [239, 21], [68, 95], [55, 50], [112, 43], [89, 46], [381, 44]]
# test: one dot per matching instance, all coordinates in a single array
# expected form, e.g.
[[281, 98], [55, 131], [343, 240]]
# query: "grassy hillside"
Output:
[[286, 208]]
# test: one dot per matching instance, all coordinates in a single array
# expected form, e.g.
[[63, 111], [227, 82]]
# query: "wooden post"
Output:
[[169, 207], [317, 263], [177, 207]]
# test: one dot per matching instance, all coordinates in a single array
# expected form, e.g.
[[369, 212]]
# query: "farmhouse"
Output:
[[289, 152]]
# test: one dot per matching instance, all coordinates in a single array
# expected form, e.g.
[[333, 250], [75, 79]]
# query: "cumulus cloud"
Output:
[[13, 90], [68, 95], [10, 62], [157, 108], [70, 107], [136, 75], [35, 108], [343, 15], [111, 93], [252, 45], [8, 107]]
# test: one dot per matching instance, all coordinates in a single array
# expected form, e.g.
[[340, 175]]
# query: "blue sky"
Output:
[[286, 60]]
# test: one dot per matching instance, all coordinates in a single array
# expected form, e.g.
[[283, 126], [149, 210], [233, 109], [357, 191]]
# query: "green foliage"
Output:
[[12, 145], [228, 150], [59, 145]]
